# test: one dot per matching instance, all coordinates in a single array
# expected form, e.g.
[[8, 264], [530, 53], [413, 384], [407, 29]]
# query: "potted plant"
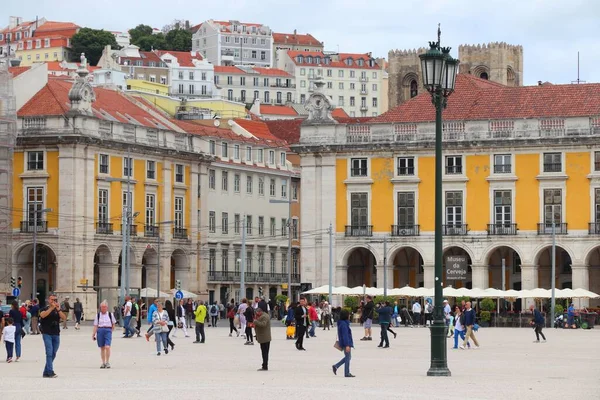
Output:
[[487, 305], [484, 318]]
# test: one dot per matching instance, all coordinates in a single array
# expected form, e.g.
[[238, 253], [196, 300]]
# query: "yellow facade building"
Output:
[[517, 161]]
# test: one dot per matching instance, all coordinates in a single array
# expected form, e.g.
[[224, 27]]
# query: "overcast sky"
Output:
[[550, 31]]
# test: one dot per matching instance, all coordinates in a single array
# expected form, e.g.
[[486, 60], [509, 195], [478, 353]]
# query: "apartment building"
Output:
[[234, 43], [139, 65], [296, 42], [352, 81], [245, 84], [190, 76], [517, 167]]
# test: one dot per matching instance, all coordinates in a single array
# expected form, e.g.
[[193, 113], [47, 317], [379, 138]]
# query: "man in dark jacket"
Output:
[[367, 318], [300, 315], [385, 317], [262, 327], [469, 322], [538, 323]]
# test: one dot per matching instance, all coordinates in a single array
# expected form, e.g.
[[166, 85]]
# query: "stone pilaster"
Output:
[[581, 280], [108, 277], [529, 276], [428, 275], [340, 276], [135, 276], [480, 276]]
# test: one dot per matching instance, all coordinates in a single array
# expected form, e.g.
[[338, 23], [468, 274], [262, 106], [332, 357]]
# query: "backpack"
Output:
[[109, 316], [213, 309], [462, 319], [134, 310]]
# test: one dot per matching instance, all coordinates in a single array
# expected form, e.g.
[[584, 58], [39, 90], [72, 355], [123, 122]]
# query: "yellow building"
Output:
[[516, 160]]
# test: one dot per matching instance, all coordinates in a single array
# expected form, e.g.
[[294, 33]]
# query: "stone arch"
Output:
[[512, 260], [457, 249], [460, 246], [510, 76], [481, 71], [564, 260], [361, 263], [592, 254], [407, 266], [540, 249], [149, 266], [180, 268], [102, 256], [410, 85], [496, 246], [349, 249], [46, 276]]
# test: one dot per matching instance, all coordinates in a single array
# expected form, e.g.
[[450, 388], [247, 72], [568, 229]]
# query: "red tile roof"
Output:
[[258, 129], [66, 29], [277, 110], [145, 57], [339, 113], [21, 27], [296, 39], [228, 69], [16, 71], [286, 129], [184, 58], [271, 71], [478, 99], [334, 64], [52, 100]]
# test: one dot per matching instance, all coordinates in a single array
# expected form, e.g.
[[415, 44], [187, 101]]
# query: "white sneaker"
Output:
[[475, 347], [462, 347]]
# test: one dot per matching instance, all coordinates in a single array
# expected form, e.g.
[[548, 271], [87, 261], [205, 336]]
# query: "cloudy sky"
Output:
[[550, 31]]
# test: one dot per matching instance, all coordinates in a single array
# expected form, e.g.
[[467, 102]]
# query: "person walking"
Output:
[[249, 315], [26, 317], [367, 318], [189, 313], [262, 326], [538, 323], [344, 333], [231, 318], [459, 328], [314, 319], [50, 317], [469, 322], [242, 317], [326, 315], [104, 325], [151, 311], [300, 315], [214, 314], [137, 306], [134, 317], [447, 312], [200, 314], [8, 336], [160, 322], [416, 310], [66, 309], [395, 315], [127, 317], [385, 318], [181, 319], [78, 311], [171, 323], [17, 317], [34, 310]]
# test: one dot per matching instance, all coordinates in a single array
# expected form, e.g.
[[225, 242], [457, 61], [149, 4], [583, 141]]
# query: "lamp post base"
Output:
[[439, 362]]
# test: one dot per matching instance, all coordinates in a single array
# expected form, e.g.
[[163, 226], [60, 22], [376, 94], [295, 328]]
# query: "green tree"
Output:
[[179, 40], [139, 32], [152, 42], [92, 42]]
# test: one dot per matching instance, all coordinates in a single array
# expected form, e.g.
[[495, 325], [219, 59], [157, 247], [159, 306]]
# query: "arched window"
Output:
[[414, 88], [484, 75]]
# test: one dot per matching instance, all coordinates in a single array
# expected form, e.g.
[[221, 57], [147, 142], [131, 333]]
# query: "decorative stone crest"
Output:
[[82, 94], [319, 107]]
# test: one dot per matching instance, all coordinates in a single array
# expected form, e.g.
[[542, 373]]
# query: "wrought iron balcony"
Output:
[[104, 228], [151, 231], [502, 168], [251, 277], [455, 230], [546, 228], [29, 226], [364, 79], [405, 230], [132, 230], [594, 228], [180, 233], [502, 229], [359, 230], [552, 167]]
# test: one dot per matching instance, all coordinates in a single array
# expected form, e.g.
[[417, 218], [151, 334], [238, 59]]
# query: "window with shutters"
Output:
[[552, 206], [503, 207], [406, 210], [454, 208], [358, 167], [359, 214]]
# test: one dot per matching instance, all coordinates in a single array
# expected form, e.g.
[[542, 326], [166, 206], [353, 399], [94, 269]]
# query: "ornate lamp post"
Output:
[[439, 75]]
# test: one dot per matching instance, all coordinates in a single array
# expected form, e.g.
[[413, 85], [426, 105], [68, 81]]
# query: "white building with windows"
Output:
[[234, 43], [190, 76], [245, 84], [352, 81]]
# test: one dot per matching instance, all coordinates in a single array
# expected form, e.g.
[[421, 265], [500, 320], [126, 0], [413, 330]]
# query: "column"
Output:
[[581, 280], [428, 275], [479, 276], [108, 277], [151, 275], [390, 277], [135, 276], [340, 276], [529, 280]]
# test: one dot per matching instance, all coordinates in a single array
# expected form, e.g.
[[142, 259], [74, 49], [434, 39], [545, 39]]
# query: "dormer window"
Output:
[[309, 59], [349, 61], [318, 60], [46, 42], [361, 62], [38, 44], [300, 59], [327, 60]]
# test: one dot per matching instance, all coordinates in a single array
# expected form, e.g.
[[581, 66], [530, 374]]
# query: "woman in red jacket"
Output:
[[314, 317]]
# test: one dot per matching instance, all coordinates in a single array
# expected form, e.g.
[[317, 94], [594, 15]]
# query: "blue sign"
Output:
[[16, 292], [179, 295]]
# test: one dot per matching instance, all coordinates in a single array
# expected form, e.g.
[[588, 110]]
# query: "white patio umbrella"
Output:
[[186, 294], [318, 290], [405, 291], [537, 293], [584, 294], [423, 292], [150, 292], [451, 292]]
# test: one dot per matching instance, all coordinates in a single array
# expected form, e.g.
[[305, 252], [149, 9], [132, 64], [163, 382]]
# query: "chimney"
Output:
[[539, 83], [295, 31]]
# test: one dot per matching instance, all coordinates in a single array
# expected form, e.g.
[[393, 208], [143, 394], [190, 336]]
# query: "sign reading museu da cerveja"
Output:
[[456, 268]]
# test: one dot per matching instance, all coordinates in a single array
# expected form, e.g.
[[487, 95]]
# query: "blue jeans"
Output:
[[313, 326], [51, 343], [18, 340], [161, 338], [345, 361], [458, 333], [395, 319], [126, 325]]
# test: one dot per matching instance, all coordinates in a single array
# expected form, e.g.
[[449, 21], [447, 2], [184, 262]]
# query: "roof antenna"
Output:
[[578, 81]]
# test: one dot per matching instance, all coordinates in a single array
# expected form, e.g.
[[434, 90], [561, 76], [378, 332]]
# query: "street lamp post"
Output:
[[439, 76], [35, 229], [289, 202], [158, 226]]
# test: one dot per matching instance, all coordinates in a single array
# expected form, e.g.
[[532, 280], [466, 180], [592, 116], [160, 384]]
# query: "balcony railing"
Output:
[[455, 230], [405, 230], [180, 233], [453, 169], [546, 228], [132, 230], [358, 171], [502, 168], [552, 167], [502, 229], [364, 79], [29, 226], [104, 228], [594, 228], [151, 231], [251, 277], [359, 230], [364, 108]]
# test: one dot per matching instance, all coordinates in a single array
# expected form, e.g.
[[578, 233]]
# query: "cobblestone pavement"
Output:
[[507, 366]]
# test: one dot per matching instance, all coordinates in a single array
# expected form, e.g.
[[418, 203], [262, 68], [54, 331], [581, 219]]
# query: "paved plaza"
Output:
[[507, 366]]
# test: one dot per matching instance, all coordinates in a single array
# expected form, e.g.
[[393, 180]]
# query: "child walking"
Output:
[[8, 335]]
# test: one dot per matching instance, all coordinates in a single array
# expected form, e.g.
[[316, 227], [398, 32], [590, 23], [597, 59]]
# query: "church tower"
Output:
[[498, 62]]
